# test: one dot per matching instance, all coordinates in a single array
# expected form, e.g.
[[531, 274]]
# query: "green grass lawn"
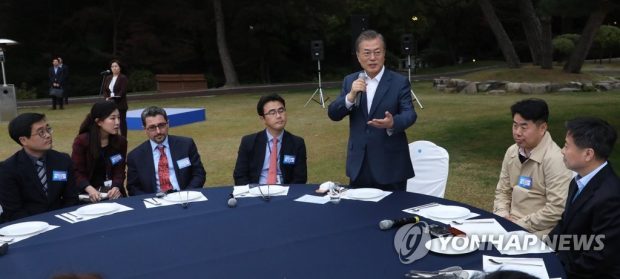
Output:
[[475, 129]]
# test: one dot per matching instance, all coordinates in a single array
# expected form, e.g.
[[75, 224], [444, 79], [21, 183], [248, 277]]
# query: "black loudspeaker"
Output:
[[359, 23], [406, 43], [316, 50]]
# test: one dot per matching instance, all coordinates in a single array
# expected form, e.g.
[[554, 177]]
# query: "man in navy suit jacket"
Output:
[[255, 149], [379, 105], [184, 165], [24, 190], [593, 204]]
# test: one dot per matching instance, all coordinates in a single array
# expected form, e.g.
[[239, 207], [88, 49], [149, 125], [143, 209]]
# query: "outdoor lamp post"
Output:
[[4, 43], [8, 104]]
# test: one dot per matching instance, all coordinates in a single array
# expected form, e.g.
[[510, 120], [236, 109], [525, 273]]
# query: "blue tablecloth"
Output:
[[257, 239]]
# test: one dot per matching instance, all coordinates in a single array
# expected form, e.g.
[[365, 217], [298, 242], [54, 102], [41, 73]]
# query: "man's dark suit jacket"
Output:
[[595, 211], [251, 157], [387, 156], [56, 77], [141, 168], [120, 90], [21, 192]]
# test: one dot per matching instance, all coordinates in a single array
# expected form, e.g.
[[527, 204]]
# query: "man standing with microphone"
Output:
[[378, 103]]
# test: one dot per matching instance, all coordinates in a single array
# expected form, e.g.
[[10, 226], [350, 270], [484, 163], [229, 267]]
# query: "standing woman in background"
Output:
[[115, 89], [99, 153]]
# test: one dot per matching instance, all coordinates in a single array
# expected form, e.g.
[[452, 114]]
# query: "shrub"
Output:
[[24, 92], [142, 80]]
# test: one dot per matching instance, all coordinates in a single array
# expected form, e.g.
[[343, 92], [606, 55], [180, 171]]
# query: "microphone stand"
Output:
[[415, 98], [319, 90], [101, 87]]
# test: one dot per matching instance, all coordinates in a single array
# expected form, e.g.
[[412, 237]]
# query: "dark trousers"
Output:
[[123, 120], [365, 179], [57, 100]]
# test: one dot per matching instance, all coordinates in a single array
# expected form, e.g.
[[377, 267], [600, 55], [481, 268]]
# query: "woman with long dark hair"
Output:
[[115, 89], [99, 153]]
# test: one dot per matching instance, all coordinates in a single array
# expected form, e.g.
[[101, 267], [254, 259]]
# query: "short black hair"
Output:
[[595, 133], [266, 99], [533, 109], [153, 111], [21, 126]]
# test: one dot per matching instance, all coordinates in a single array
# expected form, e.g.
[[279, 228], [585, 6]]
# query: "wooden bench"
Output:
[[180, 82]]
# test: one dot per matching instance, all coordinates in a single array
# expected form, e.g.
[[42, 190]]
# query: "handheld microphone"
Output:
[[232, 201], [358, 95], [106, 72], [388, 224]]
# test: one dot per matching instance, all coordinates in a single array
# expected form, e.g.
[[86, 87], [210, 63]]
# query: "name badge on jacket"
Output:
[[184, 163], [59, 175], [289, 160], [525, 182], [115, 159]]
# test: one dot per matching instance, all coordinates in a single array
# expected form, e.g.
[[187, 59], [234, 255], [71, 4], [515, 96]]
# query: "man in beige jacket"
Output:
[[533, 183]]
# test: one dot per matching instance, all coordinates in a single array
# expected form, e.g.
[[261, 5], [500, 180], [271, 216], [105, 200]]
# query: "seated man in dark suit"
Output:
[[37, 178], [593, 204], [255, 163], [164, 163]]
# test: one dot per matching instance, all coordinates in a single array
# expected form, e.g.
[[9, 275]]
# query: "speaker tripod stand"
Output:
[[319, 90], [415, 98]]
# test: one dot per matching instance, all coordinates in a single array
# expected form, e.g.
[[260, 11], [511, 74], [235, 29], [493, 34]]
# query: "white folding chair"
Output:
[[430, 163]]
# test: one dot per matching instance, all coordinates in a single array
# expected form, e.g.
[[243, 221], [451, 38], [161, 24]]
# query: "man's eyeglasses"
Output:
[[154, 128], [44, 131], [368, 54], [273, 112]]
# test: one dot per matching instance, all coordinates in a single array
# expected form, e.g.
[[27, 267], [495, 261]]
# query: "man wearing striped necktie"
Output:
[[271, 156], [36, 178]]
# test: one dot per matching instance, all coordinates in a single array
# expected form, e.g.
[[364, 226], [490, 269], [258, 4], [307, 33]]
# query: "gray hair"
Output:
[[366, 36], [153, 111]]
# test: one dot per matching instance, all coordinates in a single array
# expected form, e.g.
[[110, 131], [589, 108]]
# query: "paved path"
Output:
[[310, 86]]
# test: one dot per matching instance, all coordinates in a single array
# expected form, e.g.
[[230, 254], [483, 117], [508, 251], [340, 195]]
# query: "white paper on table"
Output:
[[86, 198], [521, 243], [538, 271], [346, 197], [149, 203], [244, 192], [22, 237], [424, 213], [314, 199], [121, 208]]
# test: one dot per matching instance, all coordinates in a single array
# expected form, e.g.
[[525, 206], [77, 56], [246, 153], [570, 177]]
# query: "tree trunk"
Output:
[[532, 28], [546, 61], [505, 44], [579, 54], [227, 65]]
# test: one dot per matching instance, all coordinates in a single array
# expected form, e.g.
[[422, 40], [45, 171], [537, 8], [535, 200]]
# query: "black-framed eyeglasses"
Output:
[[273, 112], [154, 128], [44, 131]]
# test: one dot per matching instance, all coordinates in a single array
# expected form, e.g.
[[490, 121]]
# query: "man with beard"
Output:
[[164, 163]]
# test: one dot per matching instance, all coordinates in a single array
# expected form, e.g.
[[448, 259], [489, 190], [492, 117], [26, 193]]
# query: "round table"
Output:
[[279, 238]]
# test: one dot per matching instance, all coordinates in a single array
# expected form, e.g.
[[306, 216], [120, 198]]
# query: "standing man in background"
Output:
[[56, 83], [65, 72], [380, 109]]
